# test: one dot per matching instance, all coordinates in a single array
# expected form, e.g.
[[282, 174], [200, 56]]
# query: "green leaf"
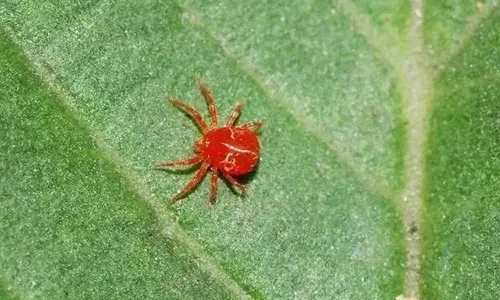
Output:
[[462, 208], [380, 119]]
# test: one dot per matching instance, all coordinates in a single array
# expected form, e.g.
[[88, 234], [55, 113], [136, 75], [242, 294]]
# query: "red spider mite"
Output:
[[228, 150]]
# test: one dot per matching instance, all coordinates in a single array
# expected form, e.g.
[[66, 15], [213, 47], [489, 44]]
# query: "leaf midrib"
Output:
[[416, 75]]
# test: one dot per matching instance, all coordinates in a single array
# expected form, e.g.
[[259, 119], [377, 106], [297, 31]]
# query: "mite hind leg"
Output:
[[193, 183], [179, 163]]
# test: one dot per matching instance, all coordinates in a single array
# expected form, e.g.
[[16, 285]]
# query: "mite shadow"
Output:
[[243, 179]]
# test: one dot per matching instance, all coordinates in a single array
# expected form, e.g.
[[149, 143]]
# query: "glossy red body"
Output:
[[233, 150], [226, 151]]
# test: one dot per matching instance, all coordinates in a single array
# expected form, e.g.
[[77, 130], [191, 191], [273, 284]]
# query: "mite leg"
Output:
[[253, 126], [191, 112], [210, 102], [213, 186], [179, 163], [234, 183], [193, 183], [234, 115]]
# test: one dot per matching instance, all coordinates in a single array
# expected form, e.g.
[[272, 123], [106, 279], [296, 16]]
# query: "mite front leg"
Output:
[[179, 163], [233, 116], [253, 126], [191, 112], [193, 183], [210, 102]]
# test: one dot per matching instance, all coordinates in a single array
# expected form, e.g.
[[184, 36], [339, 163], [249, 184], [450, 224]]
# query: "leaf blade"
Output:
[[65, 234], [461, 232]]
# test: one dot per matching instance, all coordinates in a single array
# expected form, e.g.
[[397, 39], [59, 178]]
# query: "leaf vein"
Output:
[[210, 265]]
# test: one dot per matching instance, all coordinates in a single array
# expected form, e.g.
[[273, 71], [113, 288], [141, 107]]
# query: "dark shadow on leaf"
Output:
[[243, 179], [247, 178]]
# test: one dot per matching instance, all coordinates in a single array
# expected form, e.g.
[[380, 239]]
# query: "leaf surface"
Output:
[[375, 126]]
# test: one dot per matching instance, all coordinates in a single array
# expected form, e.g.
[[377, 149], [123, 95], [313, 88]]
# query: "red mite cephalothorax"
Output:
[[228, 150]]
